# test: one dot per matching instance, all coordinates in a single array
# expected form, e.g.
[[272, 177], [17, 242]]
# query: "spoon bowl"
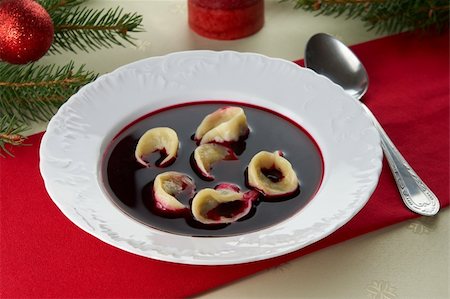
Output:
[[330, 57]]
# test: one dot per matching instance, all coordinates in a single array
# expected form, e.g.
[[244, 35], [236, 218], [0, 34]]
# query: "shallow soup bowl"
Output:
[[79, 135]]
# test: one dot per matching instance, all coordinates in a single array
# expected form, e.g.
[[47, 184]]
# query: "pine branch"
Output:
[[409, 16], [33, 93], [82, 28], [55, 6], [10, 129], [385, 15]]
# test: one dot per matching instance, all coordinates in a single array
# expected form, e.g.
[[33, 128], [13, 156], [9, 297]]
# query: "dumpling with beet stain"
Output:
[[168, 187], [161, 139], [223, 204], [206, 155], [272, 174], [225, 125]]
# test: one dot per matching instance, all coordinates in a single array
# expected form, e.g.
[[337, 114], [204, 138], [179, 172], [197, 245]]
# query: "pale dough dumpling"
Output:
[[167, 186], [208, 154], [224, 204], [272, 174], [161, 139], [226, 124]]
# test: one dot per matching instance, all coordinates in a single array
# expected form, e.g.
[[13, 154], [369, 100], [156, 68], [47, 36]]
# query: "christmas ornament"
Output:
[[26, 31]]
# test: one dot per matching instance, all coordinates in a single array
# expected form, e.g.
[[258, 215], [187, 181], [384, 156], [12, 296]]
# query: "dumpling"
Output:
[[272, 174], [227, 124], [224, 204], [162, 139], [208, 154], [167, 186]]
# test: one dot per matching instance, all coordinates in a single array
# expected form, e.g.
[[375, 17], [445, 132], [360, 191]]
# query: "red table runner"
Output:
[[44, 255]]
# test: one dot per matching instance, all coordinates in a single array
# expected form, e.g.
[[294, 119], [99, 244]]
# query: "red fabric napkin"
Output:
[[44, 255]]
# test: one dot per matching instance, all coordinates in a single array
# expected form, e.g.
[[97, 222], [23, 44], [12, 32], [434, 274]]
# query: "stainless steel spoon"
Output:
[[328, 56]]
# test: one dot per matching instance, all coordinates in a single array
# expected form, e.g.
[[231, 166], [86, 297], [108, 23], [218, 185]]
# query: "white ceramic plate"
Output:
[[76, 138]]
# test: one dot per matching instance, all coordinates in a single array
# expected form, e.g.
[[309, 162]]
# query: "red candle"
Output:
[[226, 19]]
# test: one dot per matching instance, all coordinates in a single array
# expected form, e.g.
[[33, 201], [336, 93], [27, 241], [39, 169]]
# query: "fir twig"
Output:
[[82, 28], [385, 15], [55, 6], [32, 93], [10, 129]]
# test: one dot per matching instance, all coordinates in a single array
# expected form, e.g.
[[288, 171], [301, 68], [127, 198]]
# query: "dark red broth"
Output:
[[130, 184]]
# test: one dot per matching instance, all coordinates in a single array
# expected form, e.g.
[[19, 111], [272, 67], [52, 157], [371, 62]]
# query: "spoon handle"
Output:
[[415, 194]]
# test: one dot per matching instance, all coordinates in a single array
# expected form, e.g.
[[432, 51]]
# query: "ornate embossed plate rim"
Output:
[[76, 137]]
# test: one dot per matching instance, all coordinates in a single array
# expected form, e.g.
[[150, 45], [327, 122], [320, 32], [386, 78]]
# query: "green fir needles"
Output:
[[88, 29], [30, 93], [385, 16], [82, 28], [10, 127]]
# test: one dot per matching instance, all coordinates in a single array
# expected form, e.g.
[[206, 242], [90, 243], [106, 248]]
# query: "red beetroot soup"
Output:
[[130, 184]]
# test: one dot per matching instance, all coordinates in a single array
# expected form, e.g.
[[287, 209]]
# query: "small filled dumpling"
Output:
[[207, 154], [224, 204], [272, 174], [170, 185], [162, 139], [224, 125]]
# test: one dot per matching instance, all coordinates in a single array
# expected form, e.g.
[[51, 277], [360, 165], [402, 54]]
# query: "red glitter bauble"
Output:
[[26, 31]]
